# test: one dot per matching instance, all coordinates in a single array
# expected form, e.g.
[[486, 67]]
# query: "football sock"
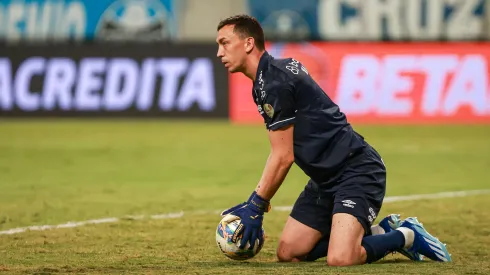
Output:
[[379, 245], [409, 236], [320, 250]]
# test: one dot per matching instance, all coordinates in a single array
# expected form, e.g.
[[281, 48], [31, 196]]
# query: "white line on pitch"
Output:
[[277, 208], [416, 197]]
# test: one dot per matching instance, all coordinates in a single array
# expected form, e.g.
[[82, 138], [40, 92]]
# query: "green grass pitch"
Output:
[[55, 171]]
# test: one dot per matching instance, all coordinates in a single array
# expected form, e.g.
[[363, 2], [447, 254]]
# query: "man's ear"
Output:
[[249, 44]]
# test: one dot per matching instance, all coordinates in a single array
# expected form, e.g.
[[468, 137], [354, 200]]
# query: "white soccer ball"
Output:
[[229, 247]]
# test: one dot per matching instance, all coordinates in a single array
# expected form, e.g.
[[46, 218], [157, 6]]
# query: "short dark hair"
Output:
[[246, 26]]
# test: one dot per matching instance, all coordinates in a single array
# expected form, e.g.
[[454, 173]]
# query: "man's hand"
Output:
[[252, 216], [231, 209]]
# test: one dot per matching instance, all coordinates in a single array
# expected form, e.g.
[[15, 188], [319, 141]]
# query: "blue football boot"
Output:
[[424, 243], [392, 222]]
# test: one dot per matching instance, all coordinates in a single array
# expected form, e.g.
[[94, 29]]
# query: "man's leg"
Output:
[[321, 248], [345, 241], [296, 241], [348, 245], [305, 235], [358, 199]]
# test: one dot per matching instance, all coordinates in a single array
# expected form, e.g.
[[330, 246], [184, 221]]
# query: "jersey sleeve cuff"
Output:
[[281, 123]]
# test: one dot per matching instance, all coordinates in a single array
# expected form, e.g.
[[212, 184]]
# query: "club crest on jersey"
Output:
[[269, 110]]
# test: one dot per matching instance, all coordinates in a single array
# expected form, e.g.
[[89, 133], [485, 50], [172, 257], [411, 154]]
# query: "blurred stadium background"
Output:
[[121, 134]]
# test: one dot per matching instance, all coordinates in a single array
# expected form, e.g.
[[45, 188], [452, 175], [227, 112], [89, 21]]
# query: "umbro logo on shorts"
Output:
[[349, 203]]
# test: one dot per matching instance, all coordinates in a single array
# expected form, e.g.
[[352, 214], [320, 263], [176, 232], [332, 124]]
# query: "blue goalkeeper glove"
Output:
[[231, 209], [251, 215]]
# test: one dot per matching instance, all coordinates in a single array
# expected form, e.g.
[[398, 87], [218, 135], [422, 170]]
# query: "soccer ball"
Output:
[[224, 240]]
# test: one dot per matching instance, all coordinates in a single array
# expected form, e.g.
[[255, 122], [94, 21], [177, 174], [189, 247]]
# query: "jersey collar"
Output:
[[263, 64]]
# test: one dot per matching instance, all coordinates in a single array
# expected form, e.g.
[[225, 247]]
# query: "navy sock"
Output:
[[319, 251], [379, 245]]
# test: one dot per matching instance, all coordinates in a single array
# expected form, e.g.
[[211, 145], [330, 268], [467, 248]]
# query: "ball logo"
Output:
[[269, 110]]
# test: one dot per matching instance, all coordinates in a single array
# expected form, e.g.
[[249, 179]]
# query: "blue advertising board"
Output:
[[42, 20], [372, 19], [286, 19]]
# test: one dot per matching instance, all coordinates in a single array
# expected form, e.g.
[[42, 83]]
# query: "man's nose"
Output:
[[219, 53]]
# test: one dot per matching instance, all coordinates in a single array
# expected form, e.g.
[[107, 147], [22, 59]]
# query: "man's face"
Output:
[[231, 49]]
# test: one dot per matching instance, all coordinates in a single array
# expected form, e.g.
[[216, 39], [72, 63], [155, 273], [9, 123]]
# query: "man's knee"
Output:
[[355, 256], [285, 253], [333, 260], [345, 241], [296, 241]]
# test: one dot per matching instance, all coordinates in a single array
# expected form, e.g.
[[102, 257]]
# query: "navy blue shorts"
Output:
[[358, 189]]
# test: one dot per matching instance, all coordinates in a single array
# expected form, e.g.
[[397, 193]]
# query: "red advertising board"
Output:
[[388, 83]]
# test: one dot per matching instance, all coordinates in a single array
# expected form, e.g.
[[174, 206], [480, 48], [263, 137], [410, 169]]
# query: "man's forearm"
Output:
[[275, 171]]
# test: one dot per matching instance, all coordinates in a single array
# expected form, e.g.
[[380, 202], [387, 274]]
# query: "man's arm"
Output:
[[251, 213], [279, 162]]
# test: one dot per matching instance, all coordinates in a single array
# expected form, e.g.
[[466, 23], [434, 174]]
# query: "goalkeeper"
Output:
[[335, 212]]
